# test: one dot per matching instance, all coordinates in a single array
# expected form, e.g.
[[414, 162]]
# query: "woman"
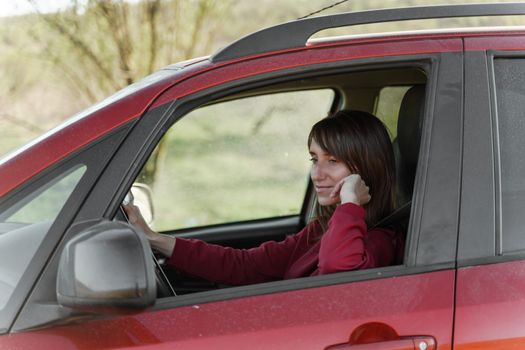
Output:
[[347, 150]]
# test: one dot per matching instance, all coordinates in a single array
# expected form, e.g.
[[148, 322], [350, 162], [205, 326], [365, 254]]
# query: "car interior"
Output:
[[357, 89]]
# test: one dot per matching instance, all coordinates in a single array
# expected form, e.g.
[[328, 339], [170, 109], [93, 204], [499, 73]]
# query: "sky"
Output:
[[19, 7]]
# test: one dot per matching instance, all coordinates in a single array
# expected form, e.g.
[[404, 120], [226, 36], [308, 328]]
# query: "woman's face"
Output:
[[326, 172]]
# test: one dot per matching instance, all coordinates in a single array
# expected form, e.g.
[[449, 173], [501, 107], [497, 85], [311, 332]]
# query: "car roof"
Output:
[[295, 34]]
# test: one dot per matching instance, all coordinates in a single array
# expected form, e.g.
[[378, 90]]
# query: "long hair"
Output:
[[361, 141]]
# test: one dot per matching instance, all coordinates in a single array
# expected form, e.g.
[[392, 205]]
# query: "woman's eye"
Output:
[[333, 160], [313, 160]]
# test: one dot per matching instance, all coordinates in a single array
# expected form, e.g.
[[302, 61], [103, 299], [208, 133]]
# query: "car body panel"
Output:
[[314, 318], [490, 306], [513, 41], [490, 303]]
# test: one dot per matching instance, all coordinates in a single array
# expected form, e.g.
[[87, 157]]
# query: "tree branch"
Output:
[[116, 18], [78, 82], [202, 12], [77, 43], [152, 9]]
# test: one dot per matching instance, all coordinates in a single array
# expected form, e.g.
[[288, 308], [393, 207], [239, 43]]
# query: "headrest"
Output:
[[409, 124], [406, 145]]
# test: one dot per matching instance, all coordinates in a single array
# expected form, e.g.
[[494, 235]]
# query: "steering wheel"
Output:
[[164, 288]]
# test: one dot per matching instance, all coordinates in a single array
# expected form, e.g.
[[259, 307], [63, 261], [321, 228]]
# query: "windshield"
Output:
[[24, 224]]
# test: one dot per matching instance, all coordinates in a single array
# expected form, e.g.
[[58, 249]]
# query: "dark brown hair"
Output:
[[361, 141]]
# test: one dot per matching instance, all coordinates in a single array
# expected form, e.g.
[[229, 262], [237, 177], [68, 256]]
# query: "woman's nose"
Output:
[[317, 172]]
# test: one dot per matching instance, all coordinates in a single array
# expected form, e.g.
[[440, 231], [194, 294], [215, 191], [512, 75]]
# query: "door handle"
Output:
[[403, 343]]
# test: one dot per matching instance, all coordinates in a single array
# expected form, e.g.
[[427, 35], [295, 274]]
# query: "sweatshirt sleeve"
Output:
[[347, 245], [231, 266]]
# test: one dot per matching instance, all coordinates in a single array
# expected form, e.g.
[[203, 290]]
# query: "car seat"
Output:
[[406, 153], [406, 145]]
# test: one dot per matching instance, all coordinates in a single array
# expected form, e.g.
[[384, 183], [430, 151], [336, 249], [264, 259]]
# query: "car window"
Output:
[[509, 76], [24, 225], [234, 161], [387, 106]]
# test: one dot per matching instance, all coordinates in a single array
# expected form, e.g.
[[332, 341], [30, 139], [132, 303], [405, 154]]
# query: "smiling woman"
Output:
[[356, 142], [342, 147]]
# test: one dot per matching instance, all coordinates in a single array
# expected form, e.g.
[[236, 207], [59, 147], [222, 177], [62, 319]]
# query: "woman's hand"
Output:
[[162, 243], [352, 189]]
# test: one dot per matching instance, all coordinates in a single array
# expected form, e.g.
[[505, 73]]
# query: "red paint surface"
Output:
[[495, 42], [305, 319], [491, 307]]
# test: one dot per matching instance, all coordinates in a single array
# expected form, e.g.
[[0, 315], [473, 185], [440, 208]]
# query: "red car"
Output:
[[213, 148]]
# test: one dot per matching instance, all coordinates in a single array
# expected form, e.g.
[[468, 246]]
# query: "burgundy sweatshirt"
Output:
[[346, 245]]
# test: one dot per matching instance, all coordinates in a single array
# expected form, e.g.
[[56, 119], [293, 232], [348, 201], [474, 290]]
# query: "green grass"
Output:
[[238, 160]]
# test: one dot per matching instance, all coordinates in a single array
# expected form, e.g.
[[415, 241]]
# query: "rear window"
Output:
[[509, 76]]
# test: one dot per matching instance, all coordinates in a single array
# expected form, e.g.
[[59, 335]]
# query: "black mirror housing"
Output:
[[107, 269]]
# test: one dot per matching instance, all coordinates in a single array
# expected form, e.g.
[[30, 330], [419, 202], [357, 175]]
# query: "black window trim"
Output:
[[492, 55], [496, 254]]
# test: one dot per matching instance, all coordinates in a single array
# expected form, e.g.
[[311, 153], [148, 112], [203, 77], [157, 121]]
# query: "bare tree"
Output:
[[104, 45]]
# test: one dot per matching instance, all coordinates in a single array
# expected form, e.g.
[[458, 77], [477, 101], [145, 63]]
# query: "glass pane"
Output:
[[48, 201], [26, 226], [510, 93], [237, 160], [387, 107]]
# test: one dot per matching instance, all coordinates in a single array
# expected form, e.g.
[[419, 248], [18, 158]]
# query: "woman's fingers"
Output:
[[354, 190], [135, 217], [337, 189], [130, 212]]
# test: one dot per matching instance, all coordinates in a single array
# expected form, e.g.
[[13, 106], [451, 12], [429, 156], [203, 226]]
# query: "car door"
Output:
[[393, 307], [490, 300]]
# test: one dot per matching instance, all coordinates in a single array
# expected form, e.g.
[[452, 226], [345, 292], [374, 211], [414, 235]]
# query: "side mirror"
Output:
[[107, 268]]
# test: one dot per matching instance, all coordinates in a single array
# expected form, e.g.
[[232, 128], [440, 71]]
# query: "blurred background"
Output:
[[59, 57]]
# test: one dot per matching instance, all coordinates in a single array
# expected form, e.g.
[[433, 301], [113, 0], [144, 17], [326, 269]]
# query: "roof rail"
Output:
[[295, 34]]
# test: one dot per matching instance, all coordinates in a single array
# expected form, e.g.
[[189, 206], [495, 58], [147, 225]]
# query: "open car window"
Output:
[[234, 161], [235, 171]]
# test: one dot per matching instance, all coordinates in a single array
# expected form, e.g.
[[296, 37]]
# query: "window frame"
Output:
[[492, 56], [179, 108]]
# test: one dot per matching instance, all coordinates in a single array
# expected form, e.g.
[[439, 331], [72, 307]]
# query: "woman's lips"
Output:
[[323, 189]]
